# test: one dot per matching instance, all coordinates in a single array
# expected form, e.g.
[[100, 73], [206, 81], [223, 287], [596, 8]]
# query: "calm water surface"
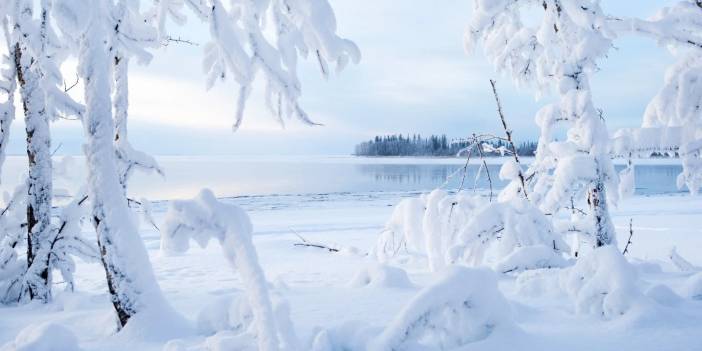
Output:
[[239, 176]]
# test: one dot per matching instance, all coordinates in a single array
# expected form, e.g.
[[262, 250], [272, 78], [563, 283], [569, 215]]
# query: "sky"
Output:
[[414, 77]]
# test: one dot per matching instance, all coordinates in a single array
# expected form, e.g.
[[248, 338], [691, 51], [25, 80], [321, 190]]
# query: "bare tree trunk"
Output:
[[37, 279]]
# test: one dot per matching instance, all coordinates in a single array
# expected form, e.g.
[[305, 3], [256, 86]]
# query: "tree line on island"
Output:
[[434, 145]]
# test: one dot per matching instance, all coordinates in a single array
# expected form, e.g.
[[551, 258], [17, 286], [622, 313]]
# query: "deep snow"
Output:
[[319, 284]]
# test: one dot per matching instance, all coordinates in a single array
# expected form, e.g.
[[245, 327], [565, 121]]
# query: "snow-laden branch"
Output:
[[205, 218], [240, 47]]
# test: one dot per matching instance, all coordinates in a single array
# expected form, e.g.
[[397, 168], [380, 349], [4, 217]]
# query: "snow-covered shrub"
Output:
[[693, 287], [602, 283], [204, 218], [44, 337], [446, 229], [381, 275], [509, 236], [463, 306], [403, 232], [12, 239]]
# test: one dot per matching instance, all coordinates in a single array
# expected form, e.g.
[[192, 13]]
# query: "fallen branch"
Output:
[[178, 40], [306, 243]]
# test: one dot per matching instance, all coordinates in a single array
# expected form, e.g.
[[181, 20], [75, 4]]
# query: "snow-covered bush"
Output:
[[204, 218], [509, 236], [468, 229], [463, 306], [64, 243], [602, 283], [12, 239]]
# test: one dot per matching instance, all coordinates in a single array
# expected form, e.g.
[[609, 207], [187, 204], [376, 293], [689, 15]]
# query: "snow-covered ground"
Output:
[[320, 289]]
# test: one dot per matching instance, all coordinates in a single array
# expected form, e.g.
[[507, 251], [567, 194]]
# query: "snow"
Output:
[[461, 307], [381, 275], [693, 287], [44, 337], [315, 282], [421, 267], [602, 283]]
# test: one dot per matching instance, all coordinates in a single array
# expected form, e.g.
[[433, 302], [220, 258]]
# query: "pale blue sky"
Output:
[[414, 77]]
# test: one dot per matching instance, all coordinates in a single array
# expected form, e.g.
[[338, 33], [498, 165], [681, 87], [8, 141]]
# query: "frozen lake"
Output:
[[232, 176]]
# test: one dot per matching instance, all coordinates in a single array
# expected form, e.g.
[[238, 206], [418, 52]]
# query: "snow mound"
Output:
[[381, 275], [539, 284], [663, 295], [230, 320], [44, 337], [225, 313], [680, 262], [602, 283], [351, 335], [462, 307], [156, 323], [530, 257], [693, 287]]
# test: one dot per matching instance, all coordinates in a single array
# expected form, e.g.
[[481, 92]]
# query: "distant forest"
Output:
[[435, 145]]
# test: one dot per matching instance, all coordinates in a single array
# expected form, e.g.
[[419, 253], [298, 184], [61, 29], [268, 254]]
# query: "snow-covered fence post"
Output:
[[204, 218]]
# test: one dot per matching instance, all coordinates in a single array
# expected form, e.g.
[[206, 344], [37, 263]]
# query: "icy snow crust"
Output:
[[643, 302]]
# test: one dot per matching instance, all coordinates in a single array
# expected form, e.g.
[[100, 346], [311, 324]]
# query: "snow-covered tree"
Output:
[[8, 84], [559, 52], [37, 55], [131, 283], [673, 119], [132, 35], [109, 33]]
